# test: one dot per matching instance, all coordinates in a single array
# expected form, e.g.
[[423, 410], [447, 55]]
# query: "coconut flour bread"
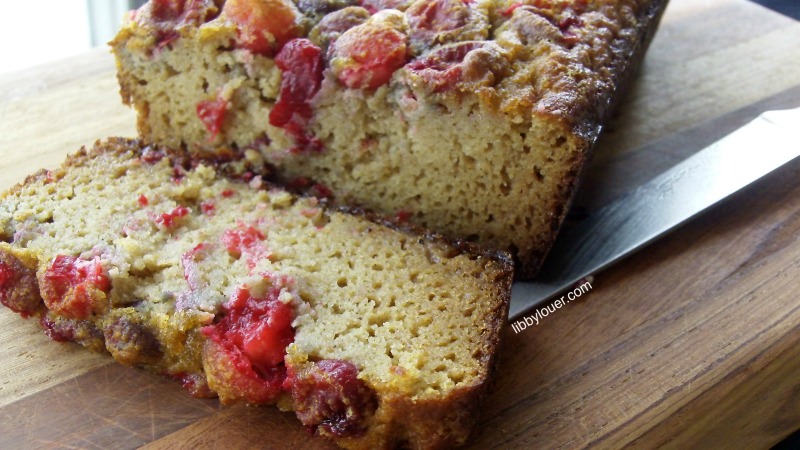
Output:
[[196, 269], [472, 118]]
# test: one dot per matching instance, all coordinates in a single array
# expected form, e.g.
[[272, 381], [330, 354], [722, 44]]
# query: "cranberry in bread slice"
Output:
[[199, 270]]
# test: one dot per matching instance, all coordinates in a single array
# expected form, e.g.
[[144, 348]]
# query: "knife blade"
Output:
[[663, 203]]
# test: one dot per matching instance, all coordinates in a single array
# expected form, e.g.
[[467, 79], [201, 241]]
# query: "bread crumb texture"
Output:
[[170, 265], [470, 118]]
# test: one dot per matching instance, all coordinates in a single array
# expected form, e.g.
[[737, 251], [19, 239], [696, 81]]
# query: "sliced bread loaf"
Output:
[[197, 270], [471, 118]]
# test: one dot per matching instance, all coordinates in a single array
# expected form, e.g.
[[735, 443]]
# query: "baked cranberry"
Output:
[[569, 21], [228, 193], [319, 8], [329, 395], [19, 290], [246, 241], [166, 16], [366, 56], [208, 208], [56, 331], [427, 18], [212, 114], [321, 191], [264, 26], [508, 12], [403, 216], [562, 15], [169, 219], [442, 68], [188, 261], [6, 274], [17, 283], [131, 342], [181, 12], [142, 200], [75, 288], [301, 66], [83, 332], [151, 155], [333, 25], [195, 384], [166, 10], [178, 173], [374, 6], [298, 183], [246, 347]]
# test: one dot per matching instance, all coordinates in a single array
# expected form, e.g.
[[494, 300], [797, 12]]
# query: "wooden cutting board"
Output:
[[693, 342]]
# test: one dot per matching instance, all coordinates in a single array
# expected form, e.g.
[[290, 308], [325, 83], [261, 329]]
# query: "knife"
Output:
[[668, 200]]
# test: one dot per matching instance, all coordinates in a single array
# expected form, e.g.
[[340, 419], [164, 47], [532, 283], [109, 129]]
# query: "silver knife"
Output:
[[663, 203]]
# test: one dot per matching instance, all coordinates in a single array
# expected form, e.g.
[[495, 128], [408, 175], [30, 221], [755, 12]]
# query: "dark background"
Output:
[[789, 7]]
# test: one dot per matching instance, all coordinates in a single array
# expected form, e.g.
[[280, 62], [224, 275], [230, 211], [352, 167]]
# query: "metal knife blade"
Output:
[[649, 211]]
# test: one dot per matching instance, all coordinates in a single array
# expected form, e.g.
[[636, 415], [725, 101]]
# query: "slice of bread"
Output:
[[196, 269], [471, 118]]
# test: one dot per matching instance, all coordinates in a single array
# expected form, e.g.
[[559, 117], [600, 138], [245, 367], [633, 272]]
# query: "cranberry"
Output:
[[151, 155], [83, 332], [301, 66], [228, 193], [212, 114], [178, 173], [366, 56], [403, 216], [182, 12], [437, 15], [194, 383], [246, 347], [188, 261], [166, 10], [563, 15], [142, 200], [6, 275], [131, 342], [569, 21], [75, 288], [19, 290], [374, 6], [321, 191], [208, 208], [298, 183], [442, 69], [319, 8], [335, 24], [246, 241], [328, 394], [508, 12], [264, 26], [166, 16], [55, 330], [169, 219]]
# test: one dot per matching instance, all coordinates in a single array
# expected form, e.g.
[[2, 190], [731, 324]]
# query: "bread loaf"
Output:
[[196, 269], [471, 118]]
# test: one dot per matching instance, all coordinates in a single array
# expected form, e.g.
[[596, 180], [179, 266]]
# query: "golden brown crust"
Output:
[[588, 122]]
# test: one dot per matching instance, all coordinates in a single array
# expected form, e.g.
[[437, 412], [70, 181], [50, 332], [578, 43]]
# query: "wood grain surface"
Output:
[[693, 342]]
